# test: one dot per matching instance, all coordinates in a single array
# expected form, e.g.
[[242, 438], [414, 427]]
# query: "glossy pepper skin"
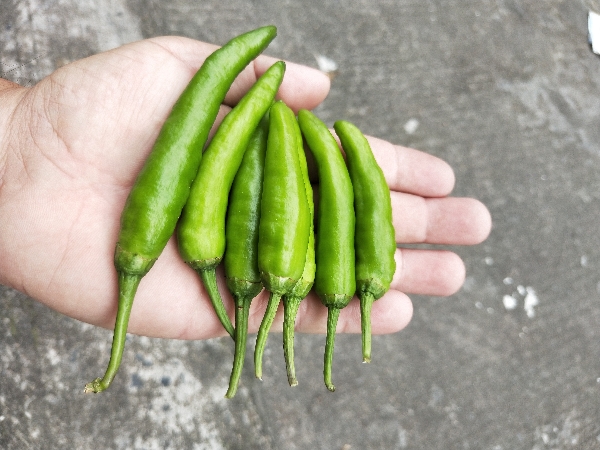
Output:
[[201, 230], [162, 187], [284, 219], [335, 281], [292, 300], [241, 252], [375, 240]]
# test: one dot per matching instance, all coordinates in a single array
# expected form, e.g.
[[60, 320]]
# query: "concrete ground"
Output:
[[508, 92]]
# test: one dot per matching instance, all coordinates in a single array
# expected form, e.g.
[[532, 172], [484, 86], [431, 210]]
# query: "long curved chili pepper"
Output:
[[201, 230], [375, 241], [241, 232], [284, 219], [161, 189], [335, 281], [292, 300]]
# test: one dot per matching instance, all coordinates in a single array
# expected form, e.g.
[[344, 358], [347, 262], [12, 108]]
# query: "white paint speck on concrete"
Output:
[[326, 64], [509, 302], [52, 356], [411, 126], [531, 301]]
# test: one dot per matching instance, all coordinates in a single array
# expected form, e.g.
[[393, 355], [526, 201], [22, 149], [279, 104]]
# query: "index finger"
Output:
[[302, 87]]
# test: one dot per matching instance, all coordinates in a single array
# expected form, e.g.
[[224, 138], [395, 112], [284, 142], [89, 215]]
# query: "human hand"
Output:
[[71, 147]]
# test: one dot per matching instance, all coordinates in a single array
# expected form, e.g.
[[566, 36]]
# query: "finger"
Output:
[[412, 171], [302, 86], [423, 272], [446, 221], [389, 314], [428, 272], [457, 221]]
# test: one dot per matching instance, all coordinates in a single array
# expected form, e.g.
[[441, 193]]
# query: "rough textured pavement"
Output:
[[506, 91]]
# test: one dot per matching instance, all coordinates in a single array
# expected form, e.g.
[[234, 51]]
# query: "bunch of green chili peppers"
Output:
[[247, 201]]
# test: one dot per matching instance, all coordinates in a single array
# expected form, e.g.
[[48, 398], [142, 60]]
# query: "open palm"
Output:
[[71, 147]]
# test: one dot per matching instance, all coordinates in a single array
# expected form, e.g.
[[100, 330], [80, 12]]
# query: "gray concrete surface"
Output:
[[508, 92]]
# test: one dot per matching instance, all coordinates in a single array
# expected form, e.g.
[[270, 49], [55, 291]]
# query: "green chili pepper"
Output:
[[201, 230], [375, 241], [292, 300], [161, 189], [241, 233], [335, 281], [284, 219]]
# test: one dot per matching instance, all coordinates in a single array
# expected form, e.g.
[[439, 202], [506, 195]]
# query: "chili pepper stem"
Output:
[[332, 318], [209, 279], [290, 309], [128, 285], [263, 332], [366, 302], [242, 309]]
